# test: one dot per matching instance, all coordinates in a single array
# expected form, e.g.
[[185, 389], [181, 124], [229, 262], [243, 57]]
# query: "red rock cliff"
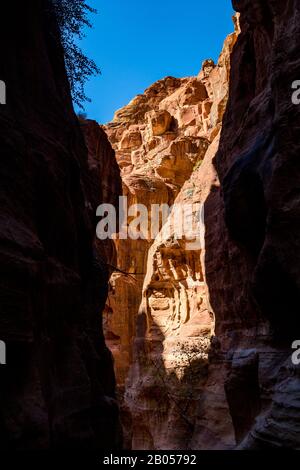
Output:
[[211, 365], [248, 396], [159, 138], [163, 140], [57, 389], [175, 324]]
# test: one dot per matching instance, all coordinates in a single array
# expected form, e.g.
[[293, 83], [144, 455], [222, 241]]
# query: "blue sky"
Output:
[[136, 42]]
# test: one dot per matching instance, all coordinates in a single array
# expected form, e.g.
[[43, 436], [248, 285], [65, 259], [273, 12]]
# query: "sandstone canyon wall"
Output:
[[57, 389], [201, 338], [162, 140], [206, 335], [175, 324], [159, 139]]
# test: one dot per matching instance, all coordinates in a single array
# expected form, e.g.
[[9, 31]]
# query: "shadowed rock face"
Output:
[[57, 389], [258, 222]]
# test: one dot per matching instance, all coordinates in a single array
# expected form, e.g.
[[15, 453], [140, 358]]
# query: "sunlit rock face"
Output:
[[169, 380], [158, 319], [240, 389], [211, 364], [58, 389]]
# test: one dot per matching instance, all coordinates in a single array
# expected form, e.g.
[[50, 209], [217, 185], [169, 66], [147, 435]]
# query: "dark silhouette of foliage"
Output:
[[72, 18]]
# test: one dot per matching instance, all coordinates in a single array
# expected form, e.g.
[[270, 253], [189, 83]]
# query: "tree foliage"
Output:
[[72, 19]]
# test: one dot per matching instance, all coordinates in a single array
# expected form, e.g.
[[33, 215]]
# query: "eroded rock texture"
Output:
[[163, 140], [211, 367], [57, 389], [169, 380], [160, 138]]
